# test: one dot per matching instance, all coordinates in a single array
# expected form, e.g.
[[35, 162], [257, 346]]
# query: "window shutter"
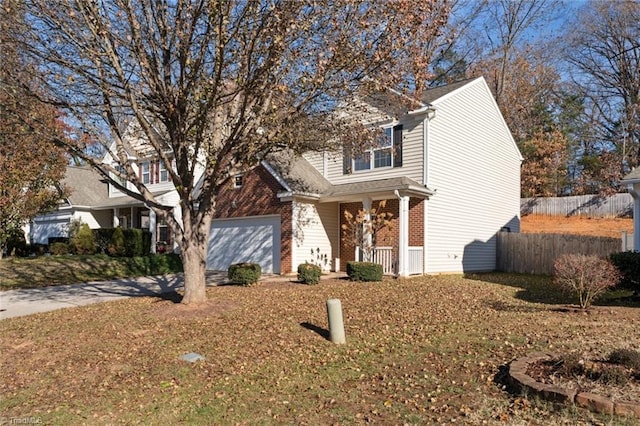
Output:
[[157, 166], [346, 160], [397, 146]]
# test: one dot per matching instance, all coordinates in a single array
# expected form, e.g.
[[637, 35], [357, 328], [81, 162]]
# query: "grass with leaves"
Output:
[[43, 271], [425, 350]]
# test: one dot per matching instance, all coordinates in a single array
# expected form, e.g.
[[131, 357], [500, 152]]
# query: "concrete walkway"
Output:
[[15, 303]]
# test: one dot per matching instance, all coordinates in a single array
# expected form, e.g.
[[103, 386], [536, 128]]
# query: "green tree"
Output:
[[31, 166]]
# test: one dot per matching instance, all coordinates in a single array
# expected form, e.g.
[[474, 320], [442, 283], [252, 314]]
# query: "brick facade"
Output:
[[257, 197], [388, 236]]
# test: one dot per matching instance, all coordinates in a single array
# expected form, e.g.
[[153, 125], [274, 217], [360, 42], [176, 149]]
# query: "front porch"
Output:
[[398, 247], [130, 213]]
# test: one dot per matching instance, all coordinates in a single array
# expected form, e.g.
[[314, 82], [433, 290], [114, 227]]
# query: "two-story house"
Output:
[[449, 171]]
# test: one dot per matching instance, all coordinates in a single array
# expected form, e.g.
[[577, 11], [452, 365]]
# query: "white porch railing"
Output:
[[387, 257], [416, 260], [384, 256]]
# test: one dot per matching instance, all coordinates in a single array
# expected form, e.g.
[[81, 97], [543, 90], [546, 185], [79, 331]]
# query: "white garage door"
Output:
[[255, 239]]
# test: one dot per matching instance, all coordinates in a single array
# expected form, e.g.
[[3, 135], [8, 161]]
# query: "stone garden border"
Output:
[[520, 380]]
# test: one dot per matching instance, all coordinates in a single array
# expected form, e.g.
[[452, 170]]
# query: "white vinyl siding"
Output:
[[315, 229], [412, 155], [475, 168]]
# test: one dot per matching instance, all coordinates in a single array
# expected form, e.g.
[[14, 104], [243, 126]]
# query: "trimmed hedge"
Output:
[[83, 242], [244, 273], [628, 263], [309, 273], [155, 264], [364, 271], [137, 242], [58, 249], [116, 246]]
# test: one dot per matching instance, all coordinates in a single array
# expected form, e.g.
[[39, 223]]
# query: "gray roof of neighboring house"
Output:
[[86, 186], [632, 177]]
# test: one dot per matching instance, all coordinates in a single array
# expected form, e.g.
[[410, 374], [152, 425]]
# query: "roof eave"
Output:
[[380, 193]]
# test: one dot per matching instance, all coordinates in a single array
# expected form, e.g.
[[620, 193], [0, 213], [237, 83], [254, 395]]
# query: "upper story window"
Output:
[[121, 179], [237, 181], [164, 174], [387, 152], [145, 172]]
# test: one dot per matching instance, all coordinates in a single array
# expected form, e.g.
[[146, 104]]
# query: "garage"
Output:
[[253, 239]]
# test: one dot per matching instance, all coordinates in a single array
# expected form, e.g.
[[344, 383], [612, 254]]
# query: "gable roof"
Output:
[[87, 188], [434, 94], [297, 174]]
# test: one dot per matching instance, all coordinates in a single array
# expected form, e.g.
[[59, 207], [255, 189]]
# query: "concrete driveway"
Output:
[[14, 303]]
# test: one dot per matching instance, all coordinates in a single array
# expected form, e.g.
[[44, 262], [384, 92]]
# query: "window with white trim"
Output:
[[120, 179], [387, 152], [164, 174], [237, 181], [145, 172]]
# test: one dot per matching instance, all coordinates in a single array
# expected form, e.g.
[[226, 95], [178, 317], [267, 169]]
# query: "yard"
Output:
[[579, 225], [421, 350]]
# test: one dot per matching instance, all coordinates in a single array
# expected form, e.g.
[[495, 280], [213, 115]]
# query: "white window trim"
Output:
[[121, 180], [162, 169], [146, 181], [235, 181], [372, 151]]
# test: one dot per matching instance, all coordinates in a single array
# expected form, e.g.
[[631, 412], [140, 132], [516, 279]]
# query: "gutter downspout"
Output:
[[634, 190], [430, 113]]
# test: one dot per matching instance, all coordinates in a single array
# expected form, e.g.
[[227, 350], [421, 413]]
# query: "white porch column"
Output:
[[153, 228], [116, 220], [177, 213], [635, 193], [403, 241], [366, 206]]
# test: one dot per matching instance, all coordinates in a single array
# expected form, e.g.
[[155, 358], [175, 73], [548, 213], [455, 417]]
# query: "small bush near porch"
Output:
[[364, 271], [426, 350]]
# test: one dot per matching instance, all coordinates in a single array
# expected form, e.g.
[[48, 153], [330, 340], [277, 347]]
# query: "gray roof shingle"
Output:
[[87, 187], [431, 95]]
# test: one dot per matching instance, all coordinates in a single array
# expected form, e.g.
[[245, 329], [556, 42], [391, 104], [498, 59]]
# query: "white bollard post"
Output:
[[336, 325]]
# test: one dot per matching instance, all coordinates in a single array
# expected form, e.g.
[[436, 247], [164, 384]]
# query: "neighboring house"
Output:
[[87, 191], [632, 180], [449, 170]]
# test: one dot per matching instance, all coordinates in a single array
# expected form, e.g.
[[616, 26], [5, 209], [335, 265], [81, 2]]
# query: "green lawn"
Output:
[[426, 350], [54, 270]]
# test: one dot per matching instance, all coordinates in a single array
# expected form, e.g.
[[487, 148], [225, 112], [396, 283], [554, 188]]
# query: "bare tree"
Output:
[[510, 26], [213, 86], [604, 49]]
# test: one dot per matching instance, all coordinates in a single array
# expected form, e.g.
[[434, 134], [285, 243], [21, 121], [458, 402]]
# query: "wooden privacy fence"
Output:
[[617, 205], [535, 253]]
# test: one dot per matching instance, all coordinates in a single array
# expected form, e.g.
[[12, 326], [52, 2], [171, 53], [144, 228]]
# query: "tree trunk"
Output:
[[194, 264]]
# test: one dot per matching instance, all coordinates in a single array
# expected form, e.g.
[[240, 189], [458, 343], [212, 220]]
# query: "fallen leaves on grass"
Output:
[[422, 350]]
